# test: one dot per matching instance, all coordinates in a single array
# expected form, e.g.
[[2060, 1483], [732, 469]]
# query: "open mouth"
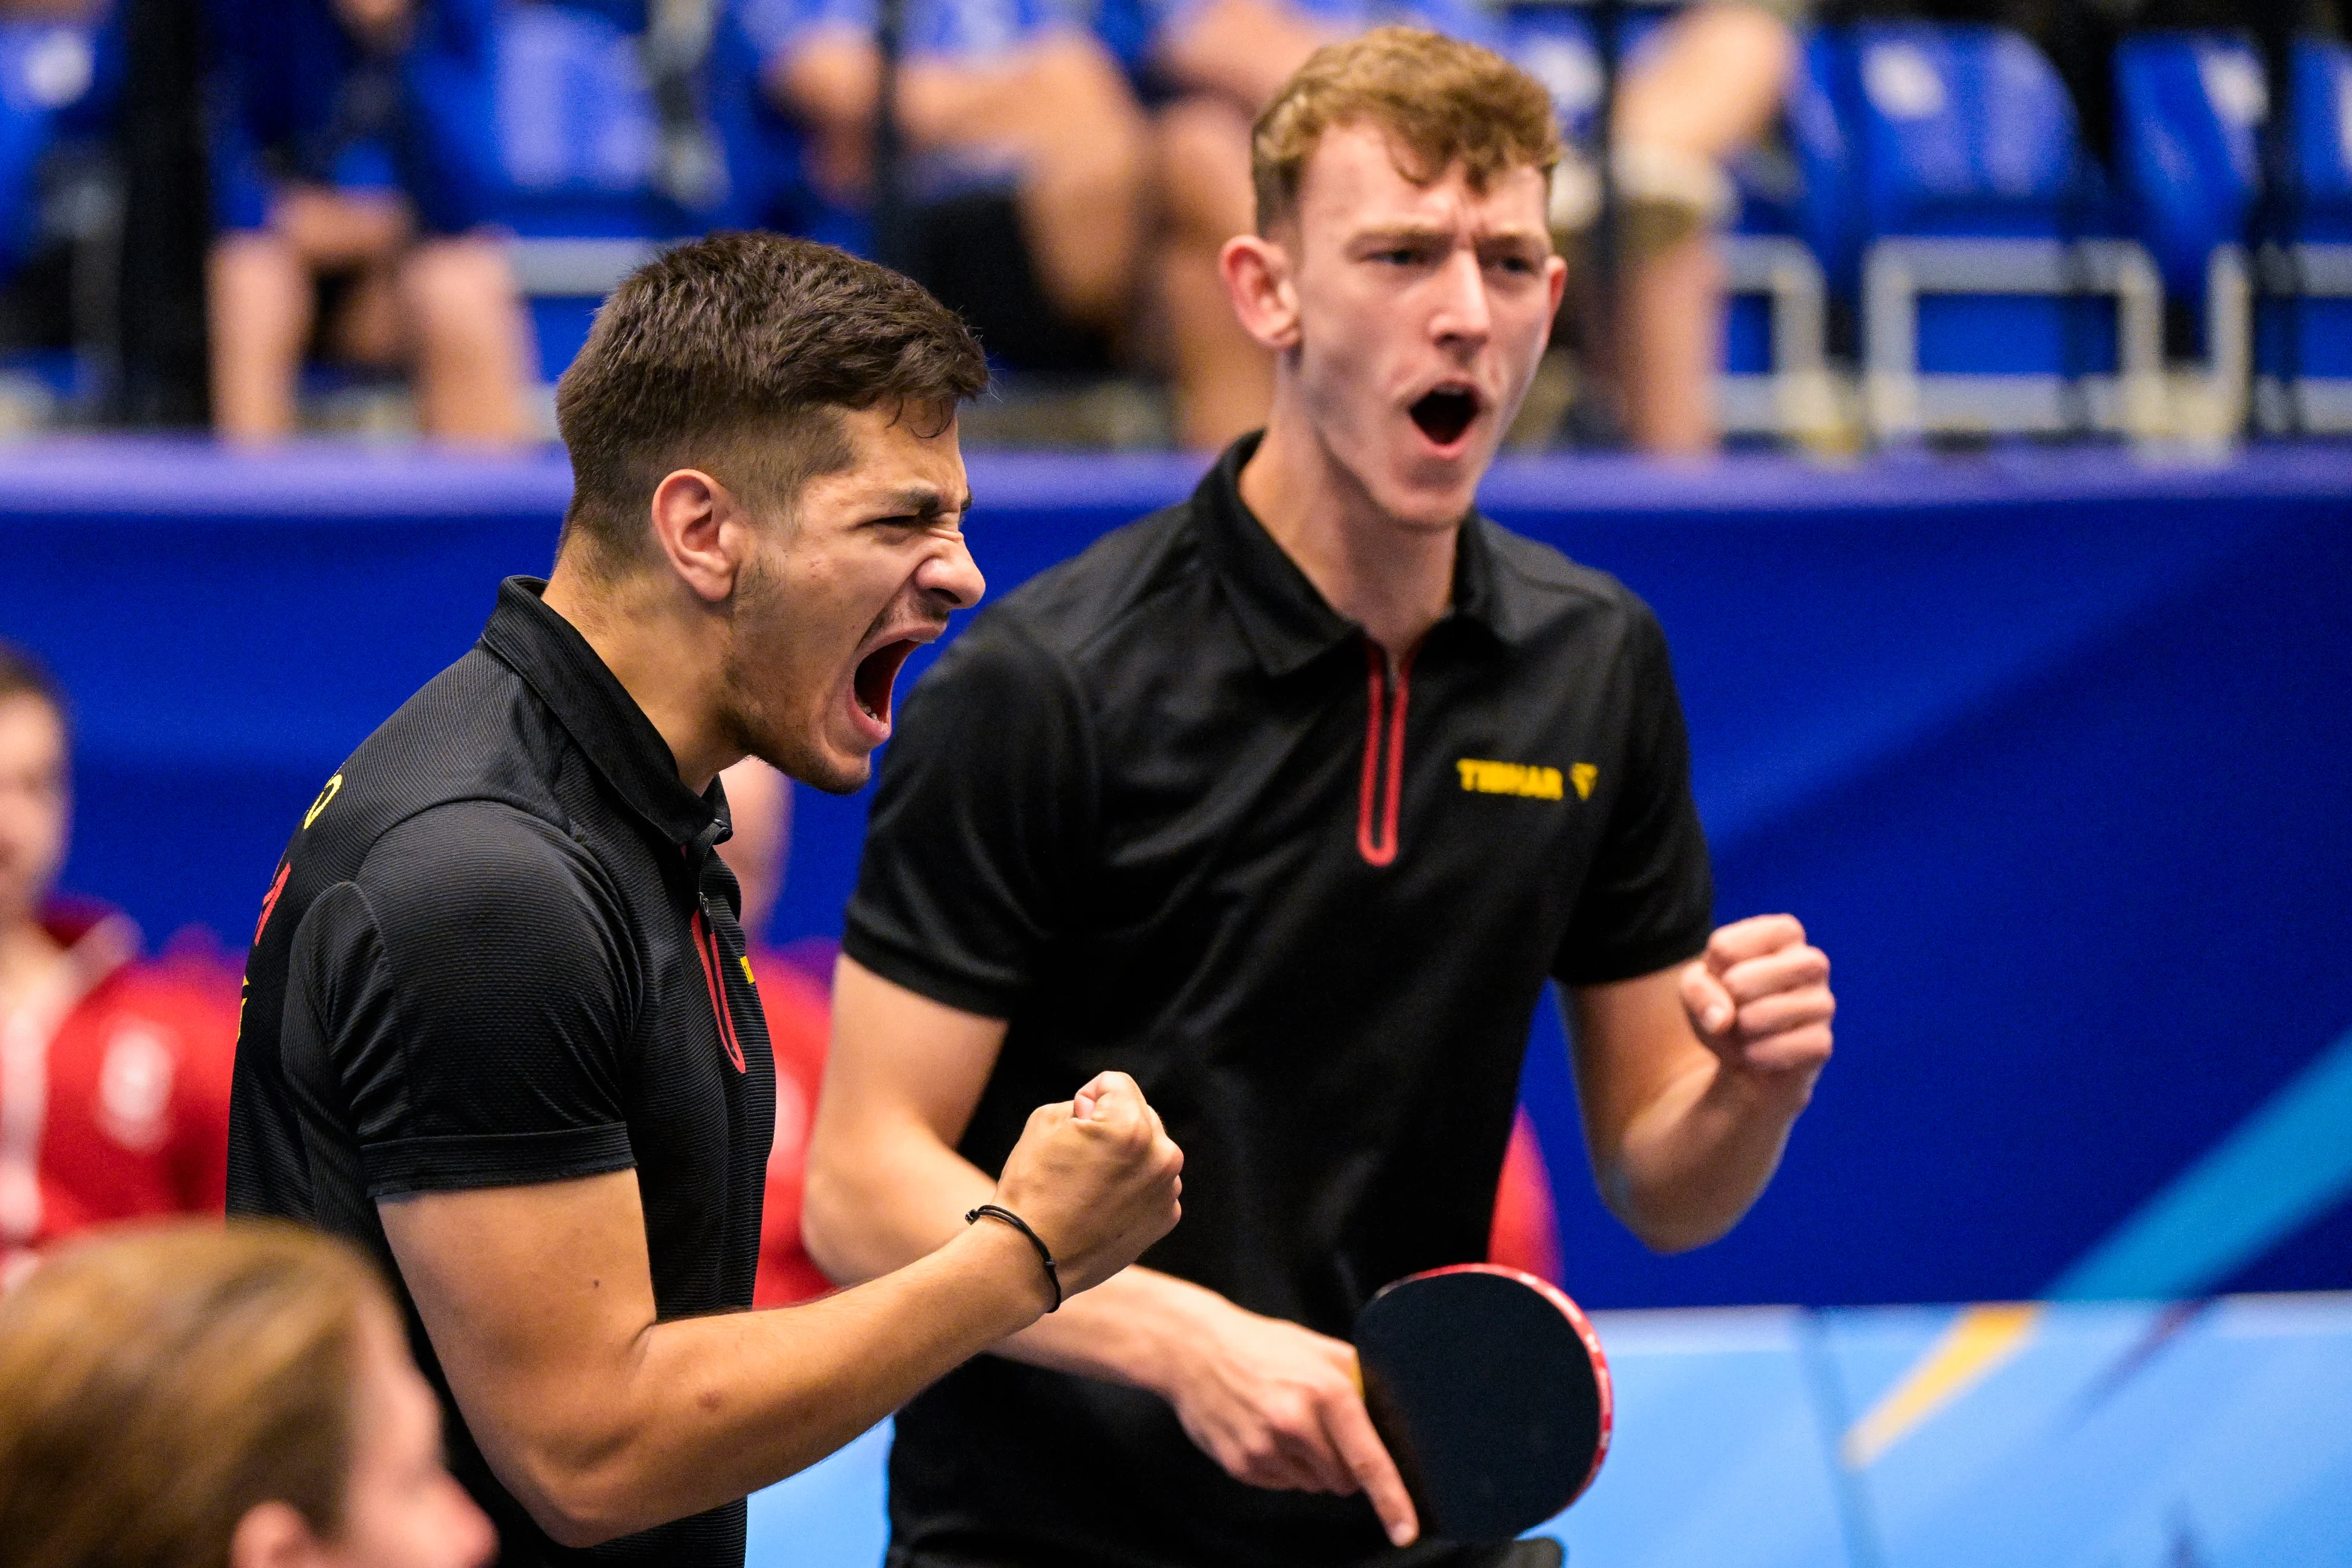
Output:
[[1444, 413], [870, 685]]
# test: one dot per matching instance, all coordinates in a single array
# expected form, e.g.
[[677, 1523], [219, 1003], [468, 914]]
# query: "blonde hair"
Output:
[[1440, 102], [157, 1384]]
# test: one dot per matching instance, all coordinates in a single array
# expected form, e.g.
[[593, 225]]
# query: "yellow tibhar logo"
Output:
[[319, 805], [1526, 779]]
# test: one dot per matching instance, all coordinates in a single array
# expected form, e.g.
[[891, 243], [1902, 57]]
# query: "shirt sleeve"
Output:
[[1648, 900], [983, 827], [470, 991]]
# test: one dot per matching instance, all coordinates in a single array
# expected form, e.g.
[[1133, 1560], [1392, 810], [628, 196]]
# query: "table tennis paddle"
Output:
[[1490, 1390]]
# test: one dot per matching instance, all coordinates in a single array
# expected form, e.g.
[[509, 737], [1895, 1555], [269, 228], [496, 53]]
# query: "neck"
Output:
[[1393, 578], [27, 952], [662, 649]]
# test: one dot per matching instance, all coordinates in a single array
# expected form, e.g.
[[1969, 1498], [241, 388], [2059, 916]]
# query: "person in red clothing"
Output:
[[114, 1074], [799, 1008]]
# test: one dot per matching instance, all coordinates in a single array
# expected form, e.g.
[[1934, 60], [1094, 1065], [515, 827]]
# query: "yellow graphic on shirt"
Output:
[[749, 979], [319, 805], [1524, 779]]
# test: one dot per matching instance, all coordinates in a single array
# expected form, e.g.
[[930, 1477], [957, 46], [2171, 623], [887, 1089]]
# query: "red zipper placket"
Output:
[[1379, 848], [714, 976]]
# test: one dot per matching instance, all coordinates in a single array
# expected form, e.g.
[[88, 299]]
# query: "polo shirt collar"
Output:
[[1285, 621], [611, 731]]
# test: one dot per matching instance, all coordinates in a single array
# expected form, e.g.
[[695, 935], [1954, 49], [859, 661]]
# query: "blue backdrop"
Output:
[[2050, 753]]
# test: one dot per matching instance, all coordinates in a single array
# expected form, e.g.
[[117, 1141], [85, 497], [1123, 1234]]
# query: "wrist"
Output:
[[1175, 1326], [1746, 1091], [1003, 1259]]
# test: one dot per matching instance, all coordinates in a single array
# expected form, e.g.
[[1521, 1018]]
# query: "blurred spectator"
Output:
[[211, 1397], [1526, 1233], [799, 1011], [353, 150], [1026, 160], [114, 1074], [1707, 87]]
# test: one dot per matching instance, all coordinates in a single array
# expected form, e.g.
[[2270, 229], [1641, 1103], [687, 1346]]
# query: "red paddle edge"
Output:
[[1577, 1319]]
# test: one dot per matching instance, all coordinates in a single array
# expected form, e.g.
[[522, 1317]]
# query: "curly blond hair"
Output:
[[1439, 101]]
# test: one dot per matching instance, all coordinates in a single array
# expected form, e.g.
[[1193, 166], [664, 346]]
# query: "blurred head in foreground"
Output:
[[191, 1396]]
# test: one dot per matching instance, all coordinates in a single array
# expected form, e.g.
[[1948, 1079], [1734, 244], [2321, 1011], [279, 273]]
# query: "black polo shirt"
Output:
[[1163, 809], [500, 951]]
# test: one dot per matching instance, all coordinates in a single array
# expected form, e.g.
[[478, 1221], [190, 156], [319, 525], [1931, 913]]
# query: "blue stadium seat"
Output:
[[2190, 111], [2189, 114], [2303, 336], [1946, 185]]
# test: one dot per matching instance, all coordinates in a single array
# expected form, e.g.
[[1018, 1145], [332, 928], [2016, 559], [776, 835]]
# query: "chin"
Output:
[[836, 771], [1431, 502]]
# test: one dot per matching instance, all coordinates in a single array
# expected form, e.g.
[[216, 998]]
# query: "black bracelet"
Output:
[[1044, 1253]]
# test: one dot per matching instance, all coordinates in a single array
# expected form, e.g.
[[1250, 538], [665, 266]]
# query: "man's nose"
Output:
[[1461, 310], [950, 573]]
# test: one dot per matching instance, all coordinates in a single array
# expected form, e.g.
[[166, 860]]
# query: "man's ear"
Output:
[[1257, 280], [701, 530]]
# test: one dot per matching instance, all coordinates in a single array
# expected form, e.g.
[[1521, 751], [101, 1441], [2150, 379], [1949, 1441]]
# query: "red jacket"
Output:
[[115, 1080], [799, 1010]]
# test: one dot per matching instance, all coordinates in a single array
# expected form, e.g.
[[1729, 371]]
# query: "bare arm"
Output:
[[1274, 1403], [1691, 1077], [1242, 50], [603, 1421]]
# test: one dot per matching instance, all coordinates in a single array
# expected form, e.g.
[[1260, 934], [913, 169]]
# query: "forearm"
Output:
[[711, 1409], [1241, 50], [1694, 1159]]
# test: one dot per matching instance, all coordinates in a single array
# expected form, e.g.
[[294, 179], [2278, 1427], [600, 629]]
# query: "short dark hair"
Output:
[[22, 674], [737, 352]]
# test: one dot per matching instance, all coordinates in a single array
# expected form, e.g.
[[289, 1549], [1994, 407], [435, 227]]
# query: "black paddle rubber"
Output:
[[1489, 1388]]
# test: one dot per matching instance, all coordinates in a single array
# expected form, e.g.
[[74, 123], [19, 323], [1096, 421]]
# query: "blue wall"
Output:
[[2049, 752]]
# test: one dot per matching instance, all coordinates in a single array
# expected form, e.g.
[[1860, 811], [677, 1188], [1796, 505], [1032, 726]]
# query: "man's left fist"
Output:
[[1760, 996]]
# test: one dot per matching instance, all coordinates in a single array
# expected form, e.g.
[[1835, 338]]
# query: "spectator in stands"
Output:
[[209, 1397], [1026, 160], [800, 1025], [114, 1074], [1708, 86], [351, 166]]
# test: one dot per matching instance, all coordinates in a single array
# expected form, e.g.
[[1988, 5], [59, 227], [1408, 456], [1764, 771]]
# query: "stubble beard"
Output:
[[762, 710]]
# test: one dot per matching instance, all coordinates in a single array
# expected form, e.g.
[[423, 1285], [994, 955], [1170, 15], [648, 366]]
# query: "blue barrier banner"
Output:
[[2049, 752]]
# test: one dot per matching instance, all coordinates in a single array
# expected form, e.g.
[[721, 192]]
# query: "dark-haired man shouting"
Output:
[[499, 1024], [1292, 798]]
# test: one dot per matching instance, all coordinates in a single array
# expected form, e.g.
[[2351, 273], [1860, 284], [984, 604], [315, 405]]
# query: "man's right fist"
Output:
[[1097, 1177]]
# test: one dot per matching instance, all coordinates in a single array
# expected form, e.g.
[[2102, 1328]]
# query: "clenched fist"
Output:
[[1760, 996], [1097, 1177]]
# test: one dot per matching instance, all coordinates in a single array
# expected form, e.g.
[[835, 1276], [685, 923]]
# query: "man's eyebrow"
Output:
[[922, 501], [1413, 233]]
